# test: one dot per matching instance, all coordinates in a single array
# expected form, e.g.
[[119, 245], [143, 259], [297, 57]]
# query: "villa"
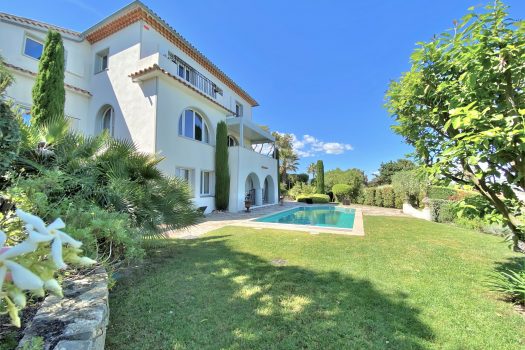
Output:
[[136, 77]]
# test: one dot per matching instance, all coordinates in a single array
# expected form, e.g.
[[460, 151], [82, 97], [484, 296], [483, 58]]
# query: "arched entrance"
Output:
[[252, 189], [269, 191]]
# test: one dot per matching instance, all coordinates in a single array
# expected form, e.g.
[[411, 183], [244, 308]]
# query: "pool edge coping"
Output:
[[357, 230]]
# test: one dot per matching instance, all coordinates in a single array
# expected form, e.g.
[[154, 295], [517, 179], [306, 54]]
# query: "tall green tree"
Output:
[[386, 170], [354, 178], [288, 158], [462, 107], [311, 169], [222, 171], [48, 92], [9, 129], [320, 177]]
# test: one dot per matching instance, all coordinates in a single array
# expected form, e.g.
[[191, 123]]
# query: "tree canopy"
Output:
[[462, 107], [386, 170], [288, 158], [354, 177]]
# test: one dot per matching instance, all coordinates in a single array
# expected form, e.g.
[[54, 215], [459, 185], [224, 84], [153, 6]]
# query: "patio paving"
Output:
[[217, 220]]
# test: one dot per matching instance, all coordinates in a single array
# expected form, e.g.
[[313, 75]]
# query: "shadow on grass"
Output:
[[201, 294]]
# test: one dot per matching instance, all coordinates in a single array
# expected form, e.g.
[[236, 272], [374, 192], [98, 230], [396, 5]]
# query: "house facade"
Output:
[[136, 77]]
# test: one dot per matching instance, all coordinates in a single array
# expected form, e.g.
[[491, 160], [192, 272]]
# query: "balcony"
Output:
[[260, 141]]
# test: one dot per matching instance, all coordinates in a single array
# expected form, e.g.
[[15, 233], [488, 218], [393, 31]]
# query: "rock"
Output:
[[76, 321]]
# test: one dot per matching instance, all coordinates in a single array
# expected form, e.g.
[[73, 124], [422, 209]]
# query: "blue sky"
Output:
[[318, 69]]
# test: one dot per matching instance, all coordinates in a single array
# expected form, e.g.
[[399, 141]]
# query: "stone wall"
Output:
[[76, 321]]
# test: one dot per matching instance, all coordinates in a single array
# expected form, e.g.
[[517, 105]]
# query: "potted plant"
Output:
[[247, 204]]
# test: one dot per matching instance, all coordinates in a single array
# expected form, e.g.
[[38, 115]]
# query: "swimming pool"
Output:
[[323, 216]]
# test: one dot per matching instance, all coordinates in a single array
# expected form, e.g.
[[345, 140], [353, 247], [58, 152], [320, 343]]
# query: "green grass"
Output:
[[408, 284]]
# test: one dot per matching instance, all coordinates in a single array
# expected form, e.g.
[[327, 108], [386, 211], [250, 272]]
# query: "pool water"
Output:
[[325, 216]]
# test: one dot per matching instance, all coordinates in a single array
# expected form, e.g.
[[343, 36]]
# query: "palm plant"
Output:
[[111, 173]]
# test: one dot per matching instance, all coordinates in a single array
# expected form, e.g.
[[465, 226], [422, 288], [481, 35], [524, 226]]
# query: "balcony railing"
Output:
[[192, 76]]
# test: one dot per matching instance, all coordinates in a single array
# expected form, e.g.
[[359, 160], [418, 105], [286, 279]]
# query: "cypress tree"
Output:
[[222, 171], [320, 177], [278, 174], [48, 92]]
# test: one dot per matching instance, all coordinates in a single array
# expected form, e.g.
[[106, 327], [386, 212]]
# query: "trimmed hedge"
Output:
[[369, 194], [441, 192], [378, 198], [342, 192], [442, 210], [316, 198]]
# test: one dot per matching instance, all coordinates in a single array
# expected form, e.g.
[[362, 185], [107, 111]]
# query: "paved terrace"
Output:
[[217, 220]]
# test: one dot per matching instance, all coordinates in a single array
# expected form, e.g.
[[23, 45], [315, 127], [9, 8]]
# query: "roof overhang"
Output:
[[157, 71], [251, 131], [138, 11]]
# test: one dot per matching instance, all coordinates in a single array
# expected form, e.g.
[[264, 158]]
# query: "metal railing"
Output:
[[192, 76]]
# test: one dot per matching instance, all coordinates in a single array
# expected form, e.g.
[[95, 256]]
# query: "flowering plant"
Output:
[[31, 264]]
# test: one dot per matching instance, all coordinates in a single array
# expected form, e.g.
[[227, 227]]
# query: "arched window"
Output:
[[193, 125], [232, 141], [106, 119]]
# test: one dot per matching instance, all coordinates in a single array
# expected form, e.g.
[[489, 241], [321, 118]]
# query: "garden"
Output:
[[70, 202]]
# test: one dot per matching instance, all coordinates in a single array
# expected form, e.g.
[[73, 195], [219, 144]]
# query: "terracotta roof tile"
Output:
[[28, 72], [34, 23]]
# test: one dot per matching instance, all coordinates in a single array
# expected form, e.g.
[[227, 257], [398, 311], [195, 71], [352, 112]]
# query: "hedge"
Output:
[[442, 210], [316, 198], [368, 194], [440, 192], [378, 198]]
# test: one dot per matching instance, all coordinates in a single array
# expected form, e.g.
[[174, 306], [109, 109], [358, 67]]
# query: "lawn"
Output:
[[409, 284]]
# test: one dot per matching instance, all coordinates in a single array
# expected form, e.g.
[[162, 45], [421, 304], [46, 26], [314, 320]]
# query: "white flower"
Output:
[[38, 232], [22, 277]]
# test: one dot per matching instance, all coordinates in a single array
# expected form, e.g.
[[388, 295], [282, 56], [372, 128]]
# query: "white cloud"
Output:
[[309, 146]]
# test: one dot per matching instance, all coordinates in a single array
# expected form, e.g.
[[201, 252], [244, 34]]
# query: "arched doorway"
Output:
[[252, 189], [269, 191]]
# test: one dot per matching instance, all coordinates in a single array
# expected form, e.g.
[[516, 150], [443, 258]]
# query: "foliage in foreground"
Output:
[[462, 107], [511, 283], [31, 258]]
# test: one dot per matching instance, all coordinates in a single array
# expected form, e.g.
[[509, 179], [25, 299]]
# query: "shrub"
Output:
[[316, 198], [440, 192], [342, 192], [442, 210], [378, 198], [388, 195], [9, 137], [222, 171], [301, 189], [511, 283], [409, 185], [369, 195]]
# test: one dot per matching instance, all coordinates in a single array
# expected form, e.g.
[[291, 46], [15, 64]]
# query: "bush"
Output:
[[369, 195], [301, 189], [440, 192], [442, 210], [409, 185], [315, 198], [378, 198], [9, 137], [511, 283], [342, 192], [388, 195]]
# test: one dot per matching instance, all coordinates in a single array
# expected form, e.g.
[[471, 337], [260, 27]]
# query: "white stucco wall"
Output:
[[244, 162]]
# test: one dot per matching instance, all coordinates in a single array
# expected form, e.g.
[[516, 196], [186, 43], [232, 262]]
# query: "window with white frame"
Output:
[[101, 60], [206, 183], [193, 125], [33, 48], [238, 109], [186, 174], [107, 119]]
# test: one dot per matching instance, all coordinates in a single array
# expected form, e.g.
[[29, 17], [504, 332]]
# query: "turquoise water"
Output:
[[325, 216]]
